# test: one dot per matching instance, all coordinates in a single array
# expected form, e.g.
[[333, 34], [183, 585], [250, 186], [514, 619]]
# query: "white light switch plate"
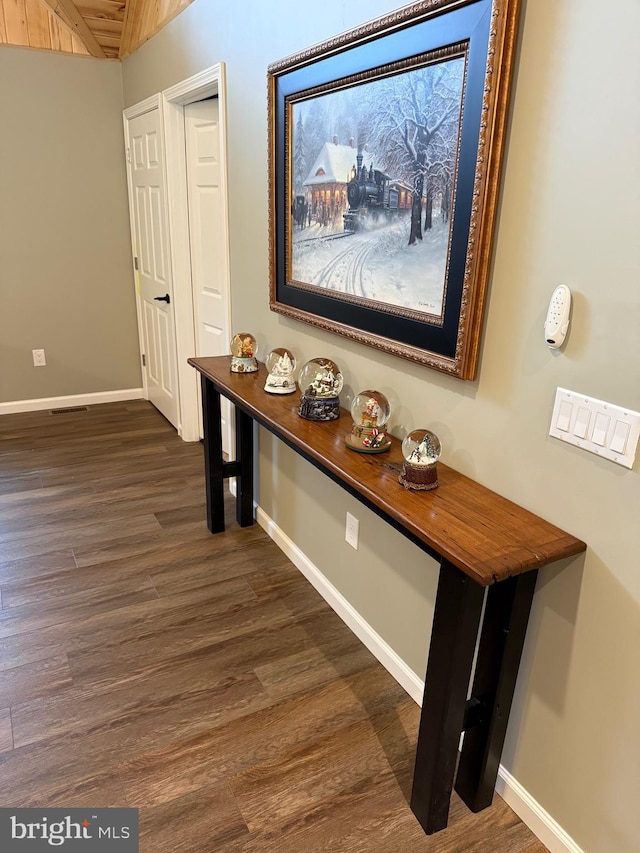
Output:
[[601, 428]]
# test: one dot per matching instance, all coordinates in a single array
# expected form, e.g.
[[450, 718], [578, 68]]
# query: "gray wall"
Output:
[[66, 284], [569, 213]]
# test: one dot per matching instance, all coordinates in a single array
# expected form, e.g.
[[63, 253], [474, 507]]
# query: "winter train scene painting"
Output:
[[372, 175]]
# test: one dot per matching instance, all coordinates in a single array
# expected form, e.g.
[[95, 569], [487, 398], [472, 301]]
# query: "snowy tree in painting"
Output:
[[415, 127]]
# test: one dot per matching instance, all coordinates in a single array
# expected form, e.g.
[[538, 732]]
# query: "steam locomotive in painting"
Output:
[[371, 194]]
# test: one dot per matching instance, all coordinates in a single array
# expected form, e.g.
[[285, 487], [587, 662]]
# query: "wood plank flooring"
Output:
[[198, 678]]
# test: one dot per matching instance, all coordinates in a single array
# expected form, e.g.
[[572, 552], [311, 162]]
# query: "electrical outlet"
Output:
[[38, 358], [351, 532]]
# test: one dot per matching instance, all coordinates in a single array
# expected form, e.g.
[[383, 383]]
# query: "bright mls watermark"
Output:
[[73, 830]]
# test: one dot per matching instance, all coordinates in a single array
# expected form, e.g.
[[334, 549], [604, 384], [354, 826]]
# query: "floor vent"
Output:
[[69, 410]]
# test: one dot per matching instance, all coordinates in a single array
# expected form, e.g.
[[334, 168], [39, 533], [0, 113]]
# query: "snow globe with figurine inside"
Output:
[[421, 450], [243, 353], [281, 365], [370, 411], [320, 382]]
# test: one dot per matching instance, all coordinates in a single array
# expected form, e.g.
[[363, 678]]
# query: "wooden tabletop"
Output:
[[485, 535]]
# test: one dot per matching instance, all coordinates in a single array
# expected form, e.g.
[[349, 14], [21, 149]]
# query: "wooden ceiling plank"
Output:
[[62, 31], [80, 28], [61, 17], [16, 23], [78, 47], [38, 22], [146, 23], [150, 21], [110, 10], [166, 9], [102, 27], [3, 26], [61, 39], [130, 15]]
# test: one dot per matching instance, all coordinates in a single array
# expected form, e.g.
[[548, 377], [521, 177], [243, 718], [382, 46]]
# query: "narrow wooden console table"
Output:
[[484, 544]]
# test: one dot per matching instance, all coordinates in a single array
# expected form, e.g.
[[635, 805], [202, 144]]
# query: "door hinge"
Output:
[[135, 264], [128, 155], [144, 360]]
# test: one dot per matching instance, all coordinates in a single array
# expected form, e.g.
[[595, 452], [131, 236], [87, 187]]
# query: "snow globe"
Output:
[[243, 353], [370, 411], [421, 450], [320, 381], [281, 364]]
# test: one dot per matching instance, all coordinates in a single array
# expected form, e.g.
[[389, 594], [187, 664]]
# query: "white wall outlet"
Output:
[[38, 358], [352, 529]]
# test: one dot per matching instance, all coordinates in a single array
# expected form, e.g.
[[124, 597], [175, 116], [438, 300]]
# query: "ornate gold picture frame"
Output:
[[385, 146]]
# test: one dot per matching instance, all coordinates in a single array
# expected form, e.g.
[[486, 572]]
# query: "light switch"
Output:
[[602, 428], [620, 435], [582, 422], [564, 416]]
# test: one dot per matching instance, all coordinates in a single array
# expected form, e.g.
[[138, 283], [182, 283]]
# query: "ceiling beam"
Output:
[[68, 12]]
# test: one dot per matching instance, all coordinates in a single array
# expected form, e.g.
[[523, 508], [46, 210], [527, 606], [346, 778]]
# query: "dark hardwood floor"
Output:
[[199, 678]]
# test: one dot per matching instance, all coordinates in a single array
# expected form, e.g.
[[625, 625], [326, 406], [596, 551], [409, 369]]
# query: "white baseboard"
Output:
[[71, 400], [531, 813], [518, 798]]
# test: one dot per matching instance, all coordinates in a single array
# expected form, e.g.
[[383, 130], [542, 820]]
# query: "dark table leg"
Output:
[[213, 459], [244, 460], [453, 641], [501, 642]]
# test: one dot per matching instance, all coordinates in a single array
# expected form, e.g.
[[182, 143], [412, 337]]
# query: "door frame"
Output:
[[207, 83]]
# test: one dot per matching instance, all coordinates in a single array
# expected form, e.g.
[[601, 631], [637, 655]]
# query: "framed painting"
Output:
[[385, 145]]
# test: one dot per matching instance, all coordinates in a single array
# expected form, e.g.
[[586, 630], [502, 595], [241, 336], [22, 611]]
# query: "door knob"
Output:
[[166, 298]]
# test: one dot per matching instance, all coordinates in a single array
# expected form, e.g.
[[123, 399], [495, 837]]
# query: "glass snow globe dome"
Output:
[[370, 411], [320, 382], [243, 353], [421, 447], [320, 377], [281, 365], [421, 450]]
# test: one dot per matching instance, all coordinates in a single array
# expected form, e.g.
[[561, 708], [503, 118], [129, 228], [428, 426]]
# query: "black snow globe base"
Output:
[[319, 408]]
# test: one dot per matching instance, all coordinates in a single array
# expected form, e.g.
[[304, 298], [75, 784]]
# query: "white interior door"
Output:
[[151, 246], [206, 212]]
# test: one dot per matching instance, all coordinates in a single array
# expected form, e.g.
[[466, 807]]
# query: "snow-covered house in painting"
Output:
[[326, 183]]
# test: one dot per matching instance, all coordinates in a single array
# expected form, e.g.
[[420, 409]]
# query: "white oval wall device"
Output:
[[557, 322]]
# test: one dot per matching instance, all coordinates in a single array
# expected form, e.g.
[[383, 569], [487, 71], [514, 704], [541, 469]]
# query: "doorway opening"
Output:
[[192, 118]]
